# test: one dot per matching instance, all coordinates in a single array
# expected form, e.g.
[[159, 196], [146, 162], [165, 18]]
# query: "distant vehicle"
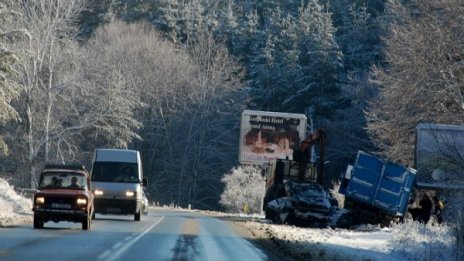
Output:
[[63, 195], [117, 182]]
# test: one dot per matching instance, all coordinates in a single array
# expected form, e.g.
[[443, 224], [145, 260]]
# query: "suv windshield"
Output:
[[62, 180]]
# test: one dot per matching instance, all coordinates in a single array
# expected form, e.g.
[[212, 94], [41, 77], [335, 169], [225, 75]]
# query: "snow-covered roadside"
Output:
[[14, 208], [368, 243], [407, 241]]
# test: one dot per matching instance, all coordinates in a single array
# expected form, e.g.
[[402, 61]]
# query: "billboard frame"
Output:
[[266, 136]]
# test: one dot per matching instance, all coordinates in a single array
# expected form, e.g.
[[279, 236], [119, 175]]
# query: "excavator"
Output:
[[294, 188]]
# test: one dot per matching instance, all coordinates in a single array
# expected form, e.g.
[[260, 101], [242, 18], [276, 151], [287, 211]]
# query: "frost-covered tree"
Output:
[[70, 96], [43, 71], [215, 107], [422, 81], [9, 89], [321, 63], [114, 69], [422, 78], [296, 63], [134, 60], [101, 12], [184, 20], [191, 102], [244, 190], [359, 26]]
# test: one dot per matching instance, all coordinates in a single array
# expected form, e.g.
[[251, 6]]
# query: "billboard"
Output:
[[439, 158], [267, 136]]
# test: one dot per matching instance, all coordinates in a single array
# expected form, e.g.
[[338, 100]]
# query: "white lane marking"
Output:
[[118, 245], [116, 251]]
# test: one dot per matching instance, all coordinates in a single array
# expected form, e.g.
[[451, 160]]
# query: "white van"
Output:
[[117, 182]]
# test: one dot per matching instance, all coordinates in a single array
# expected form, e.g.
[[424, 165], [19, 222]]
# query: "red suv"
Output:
[[63, 195]]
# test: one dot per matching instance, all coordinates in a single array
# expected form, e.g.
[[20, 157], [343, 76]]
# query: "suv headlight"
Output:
[[81, 201], [39, 200], [130, 194], [98, 192]]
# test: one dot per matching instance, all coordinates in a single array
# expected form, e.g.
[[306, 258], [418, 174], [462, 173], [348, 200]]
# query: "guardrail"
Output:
[[27, 192]]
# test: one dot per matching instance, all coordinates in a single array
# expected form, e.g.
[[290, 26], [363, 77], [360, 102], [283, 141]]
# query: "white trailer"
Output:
[[439, 157]]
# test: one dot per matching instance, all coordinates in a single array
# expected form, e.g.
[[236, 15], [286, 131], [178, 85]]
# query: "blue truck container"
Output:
[[379, 184]]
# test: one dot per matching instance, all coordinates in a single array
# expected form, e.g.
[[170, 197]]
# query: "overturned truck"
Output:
[[376, 190]]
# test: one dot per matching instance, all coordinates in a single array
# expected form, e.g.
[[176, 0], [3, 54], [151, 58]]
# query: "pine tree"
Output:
[[296, 63]]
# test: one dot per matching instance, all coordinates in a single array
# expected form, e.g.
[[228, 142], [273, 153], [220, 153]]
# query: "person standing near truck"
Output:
[[426, 209], [438, 207]]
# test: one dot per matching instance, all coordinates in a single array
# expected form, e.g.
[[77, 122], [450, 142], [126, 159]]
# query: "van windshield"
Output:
[[115, 172]]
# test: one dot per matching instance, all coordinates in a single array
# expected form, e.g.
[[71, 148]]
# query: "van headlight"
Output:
[[130, 194], [98, 192]]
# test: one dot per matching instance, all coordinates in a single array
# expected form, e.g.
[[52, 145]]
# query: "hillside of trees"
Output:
[[171, 77]]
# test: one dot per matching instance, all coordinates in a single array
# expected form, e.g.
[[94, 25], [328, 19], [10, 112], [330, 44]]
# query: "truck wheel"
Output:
[[87, 222], [137, 216], [38, 223]]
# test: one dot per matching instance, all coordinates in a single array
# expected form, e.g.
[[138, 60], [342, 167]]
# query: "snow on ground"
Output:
[[330, 244], [14, 208], [408, 241]]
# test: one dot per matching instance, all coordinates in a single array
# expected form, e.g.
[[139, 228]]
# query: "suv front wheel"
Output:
[[38, 223], [87, 222]]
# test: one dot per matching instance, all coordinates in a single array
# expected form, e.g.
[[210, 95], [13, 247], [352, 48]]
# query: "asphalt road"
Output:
[[161, 235]]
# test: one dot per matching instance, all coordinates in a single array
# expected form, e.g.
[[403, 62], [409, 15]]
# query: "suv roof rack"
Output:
[[65, 166]]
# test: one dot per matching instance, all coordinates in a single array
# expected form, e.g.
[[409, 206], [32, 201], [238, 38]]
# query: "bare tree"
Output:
[[190, 112], [423, 76], [213, 119], [49, 26], [422, 81], [68, 98], [133, 58], [112, 77]]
